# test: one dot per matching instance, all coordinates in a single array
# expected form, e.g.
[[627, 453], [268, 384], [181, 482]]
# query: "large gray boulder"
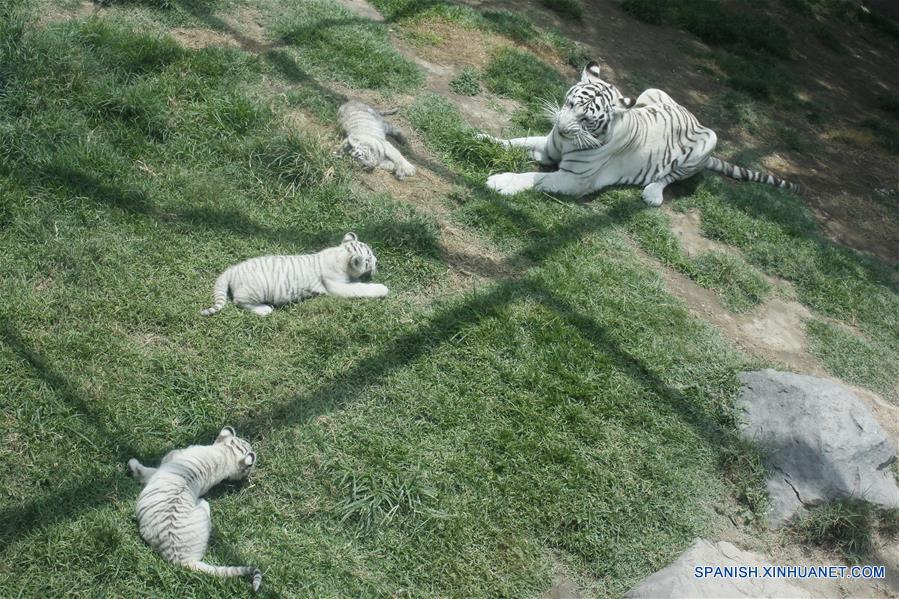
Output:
[[680, 579], [821, 443]]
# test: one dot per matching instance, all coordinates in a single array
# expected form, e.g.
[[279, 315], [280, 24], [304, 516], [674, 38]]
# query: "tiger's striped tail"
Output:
[[229, 571], [744, 174], [219, 294]]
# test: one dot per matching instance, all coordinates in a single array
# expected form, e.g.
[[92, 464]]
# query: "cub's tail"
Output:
[[229, 571], [744, 174], [219, 294]]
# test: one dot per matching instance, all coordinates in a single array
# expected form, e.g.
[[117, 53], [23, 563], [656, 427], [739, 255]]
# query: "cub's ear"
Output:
[[249, 459], [590, 73], [224, 434], [349, 237]]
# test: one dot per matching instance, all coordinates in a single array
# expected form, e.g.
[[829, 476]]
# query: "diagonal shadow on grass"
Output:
[[110, 443], [137, 202], [329, 396]]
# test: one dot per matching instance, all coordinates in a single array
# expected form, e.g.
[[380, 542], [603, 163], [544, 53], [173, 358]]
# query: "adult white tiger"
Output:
[[259, 283], [601, 138], [172, 517]]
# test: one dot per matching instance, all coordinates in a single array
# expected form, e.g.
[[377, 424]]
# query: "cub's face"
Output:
[[589, 108], [365, 156], [239, 449], [362, 263]]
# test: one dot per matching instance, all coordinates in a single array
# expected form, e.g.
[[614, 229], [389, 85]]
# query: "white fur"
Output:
[[172, 517], [611, 140], [367, 142], [259, 284]]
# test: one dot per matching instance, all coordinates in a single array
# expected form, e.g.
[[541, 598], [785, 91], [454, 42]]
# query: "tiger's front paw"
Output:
[[509, 184], [378, 290], [404, 170]]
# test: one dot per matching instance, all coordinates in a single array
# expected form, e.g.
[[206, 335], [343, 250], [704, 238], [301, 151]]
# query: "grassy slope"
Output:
[[451, 446]]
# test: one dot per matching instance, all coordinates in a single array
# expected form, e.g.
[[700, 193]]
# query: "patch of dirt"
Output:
[[470, 258], [686, 227], [774, 330], [363, 9], [83, 10], [484, 112], [191, 37]]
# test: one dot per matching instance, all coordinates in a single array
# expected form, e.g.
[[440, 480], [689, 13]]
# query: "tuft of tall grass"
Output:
[[847, 526]]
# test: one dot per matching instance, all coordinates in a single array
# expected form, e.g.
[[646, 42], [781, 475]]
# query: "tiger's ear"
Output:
[[628, 102], [349, 237], [249, 459], [224, 434], [590, 73]]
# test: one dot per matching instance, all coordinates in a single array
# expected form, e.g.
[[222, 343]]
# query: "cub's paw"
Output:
[[378, 290], [508, 183], [404, 170], [652, 194], [133, 467], [486, 137]]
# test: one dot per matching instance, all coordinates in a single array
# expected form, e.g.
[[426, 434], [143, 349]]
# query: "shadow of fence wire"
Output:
[[89, 493]]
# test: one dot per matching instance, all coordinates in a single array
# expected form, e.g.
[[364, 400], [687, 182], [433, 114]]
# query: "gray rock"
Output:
[[679, 579], [821, 443]]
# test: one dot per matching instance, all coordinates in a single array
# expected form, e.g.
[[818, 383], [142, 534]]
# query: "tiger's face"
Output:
[[362, 263], [243, 454], [590, 106], [364, 155]]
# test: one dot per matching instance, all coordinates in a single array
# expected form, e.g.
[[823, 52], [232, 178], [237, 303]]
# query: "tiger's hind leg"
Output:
[[194, 532]]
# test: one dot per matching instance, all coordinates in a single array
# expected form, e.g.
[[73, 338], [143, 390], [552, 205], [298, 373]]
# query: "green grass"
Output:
[[522, 76], [438, 120], [715, 23], [747, 44], [847, 527], [441, 442], [466, 82], [889, 102], [333, 43], [777, 234], [515, 25], [855, 359], [887, 134]]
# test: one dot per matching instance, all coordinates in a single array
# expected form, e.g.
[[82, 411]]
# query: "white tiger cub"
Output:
[[260, 283], [366, 141], [172, 517], [601, 138]]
